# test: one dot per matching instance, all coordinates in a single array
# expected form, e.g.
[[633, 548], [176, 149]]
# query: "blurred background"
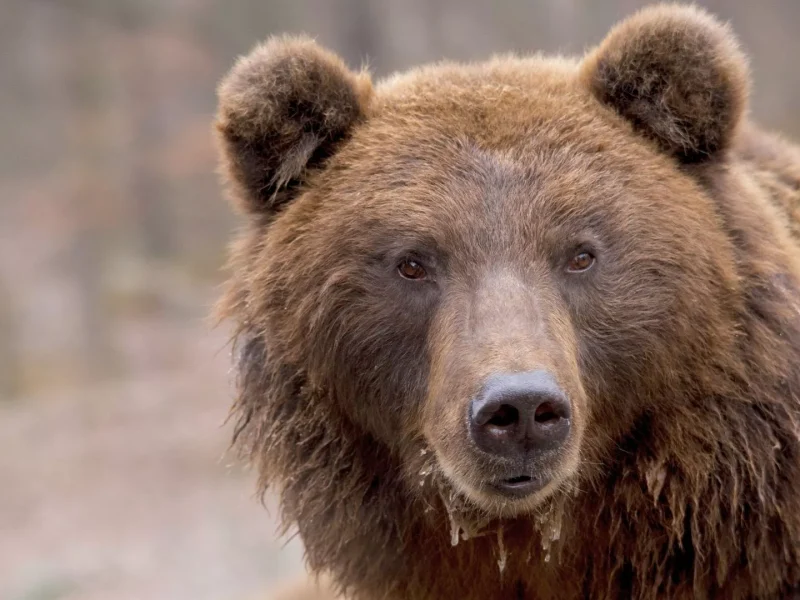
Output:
[[114, 481]]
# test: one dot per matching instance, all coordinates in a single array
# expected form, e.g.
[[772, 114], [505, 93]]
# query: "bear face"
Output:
[[480, 222], [475, 282]]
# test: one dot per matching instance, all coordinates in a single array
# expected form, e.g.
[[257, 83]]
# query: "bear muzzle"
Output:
[[523, 419]]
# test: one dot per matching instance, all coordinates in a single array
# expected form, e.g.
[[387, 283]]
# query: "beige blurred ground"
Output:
[[113, 387], [122, 490]]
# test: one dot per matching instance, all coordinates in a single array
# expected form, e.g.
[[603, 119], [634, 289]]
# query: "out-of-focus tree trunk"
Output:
[[90, 194], [148, 188]]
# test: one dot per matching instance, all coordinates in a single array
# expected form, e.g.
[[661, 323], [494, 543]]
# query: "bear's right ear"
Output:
[[282, 110]]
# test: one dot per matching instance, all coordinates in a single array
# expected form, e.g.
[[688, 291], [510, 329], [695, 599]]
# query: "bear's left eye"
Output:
[[412, 269], [581, 262]]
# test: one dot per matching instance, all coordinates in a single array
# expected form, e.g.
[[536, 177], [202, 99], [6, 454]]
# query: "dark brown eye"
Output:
[[411, 269], [580, 262]]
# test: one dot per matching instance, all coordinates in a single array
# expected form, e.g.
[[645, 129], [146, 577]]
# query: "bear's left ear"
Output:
[[283, 109], [677, 75]]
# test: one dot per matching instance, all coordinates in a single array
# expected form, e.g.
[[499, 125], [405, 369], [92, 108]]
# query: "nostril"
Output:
[[505, 416], [545, 413]]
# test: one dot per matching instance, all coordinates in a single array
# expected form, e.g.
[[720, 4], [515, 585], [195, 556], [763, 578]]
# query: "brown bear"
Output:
[[522, 329]]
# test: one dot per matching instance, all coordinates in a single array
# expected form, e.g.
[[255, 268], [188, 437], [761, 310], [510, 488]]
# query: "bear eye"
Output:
[[411, 269], [580, 262]]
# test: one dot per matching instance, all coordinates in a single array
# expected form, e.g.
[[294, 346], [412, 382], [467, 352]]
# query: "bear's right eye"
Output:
[[411, 269]]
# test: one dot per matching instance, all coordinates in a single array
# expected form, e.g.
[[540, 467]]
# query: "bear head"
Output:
[[473, 282]]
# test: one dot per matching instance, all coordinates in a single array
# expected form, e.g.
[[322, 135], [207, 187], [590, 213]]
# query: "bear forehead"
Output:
[[509, 123], [498, 103]]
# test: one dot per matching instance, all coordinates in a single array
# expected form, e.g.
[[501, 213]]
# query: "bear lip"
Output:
[[518, 486]]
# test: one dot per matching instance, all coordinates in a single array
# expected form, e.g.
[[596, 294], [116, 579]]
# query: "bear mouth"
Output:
[[518, 486], [519, 479]]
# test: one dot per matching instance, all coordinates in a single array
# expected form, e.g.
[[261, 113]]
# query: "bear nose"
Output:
[[520, 412]]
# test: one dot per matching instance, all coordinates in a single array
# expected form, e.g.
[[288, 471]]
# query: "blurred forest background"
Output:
[[113, 385]]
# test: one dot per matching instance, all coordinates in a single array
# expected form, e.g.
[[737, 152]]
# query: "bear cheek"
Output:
[[374, 359], [444, 412]]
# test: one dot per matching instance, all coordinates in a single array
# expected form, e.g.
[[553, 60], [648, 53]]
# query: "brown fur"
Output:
[[679, 350]]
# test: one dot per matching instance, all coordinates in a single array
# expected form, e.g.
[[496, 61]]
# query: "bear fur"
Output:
[[679, 349]]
